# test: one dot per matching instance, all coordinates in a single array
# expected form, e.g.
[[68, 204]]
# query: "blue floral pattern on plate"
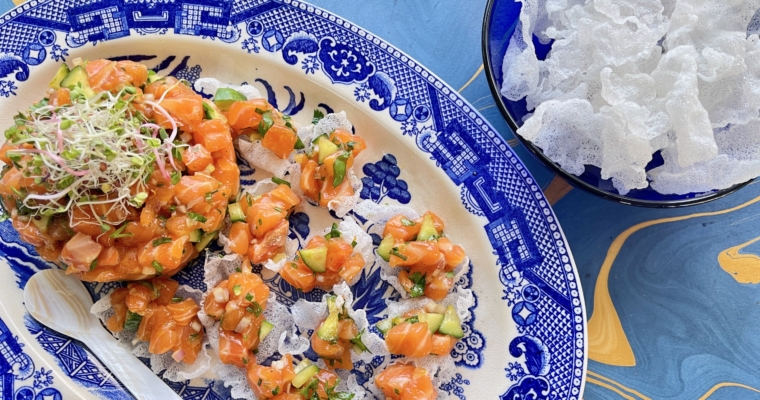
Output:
[[535, 265]]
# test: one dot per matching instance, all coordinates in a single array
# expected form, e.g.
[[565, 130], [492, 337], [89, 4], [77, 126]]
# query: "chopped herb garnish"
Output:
[[254, 309], [280, 181], [299, 143], [339, 168], [132, 321], [196, 217], [318, 115], [248, 297], [159, 268], [266, 123], [419, 284], [161, 241], [407, 222], [93, 264], [177, 299], [119, 233], [394, 252], [176, 177], [237, 289], [334, 232], [276, 391], [357, 341]]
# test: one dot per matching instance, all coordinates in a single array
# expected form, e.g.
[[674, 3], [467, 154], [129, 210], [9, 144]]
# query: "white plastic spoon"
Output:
[[62, 303]]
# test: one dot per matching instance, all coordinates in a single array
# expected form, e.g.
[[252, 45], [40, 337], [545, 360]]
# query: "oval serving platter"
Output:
[[428, 149]]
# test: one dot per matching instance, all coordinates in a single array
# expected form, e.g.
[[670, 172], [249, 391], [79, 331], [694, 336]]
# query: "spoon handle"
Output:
[[135, 376]]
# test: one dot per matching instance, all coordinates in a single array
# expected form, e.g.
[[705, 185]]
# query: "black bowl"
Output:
[[499, 22]]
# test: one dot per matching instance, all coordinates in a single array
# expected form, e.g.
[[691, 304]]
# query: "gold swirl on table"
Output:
[[607, 341], [745, 268], [726, 384], [474, 76], [607, 383]]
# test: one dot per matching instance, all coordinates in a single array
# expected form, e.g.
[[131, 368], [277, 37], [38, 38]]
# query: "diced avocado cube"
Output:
[[384, 325], [385, 247], [433, 320], [315, 258], [451, 324], [153, 76], [63, 70], [209, 112], [42, 223], [332, 307], [224, 98], [196, 235], [236, 212], [427, 229], [77, 78], [305, 375], [265, 329], [328, 331], [205, 240], [326, 148]]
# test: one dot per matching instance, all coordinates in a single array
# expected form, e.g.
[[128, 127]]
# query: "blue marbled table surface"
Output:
[[672, 295]]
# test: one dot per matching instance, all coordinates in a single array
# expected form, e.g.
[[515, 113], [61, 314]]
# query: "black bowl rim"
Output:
[[573, 179]]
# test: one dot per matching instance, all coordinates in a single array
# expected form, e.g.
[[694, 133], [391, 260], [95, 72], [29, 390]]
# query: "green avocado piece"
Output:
[[385, 247], [305, 375], [205, 240], [236, 212], [196, 235], [427, 230], [78, 78], [326, 148], [265, 329], [315, 259], [433, 320], [209, 112], [224, 98], [384, 325], [328, 331], [451, 324], [63, 70]]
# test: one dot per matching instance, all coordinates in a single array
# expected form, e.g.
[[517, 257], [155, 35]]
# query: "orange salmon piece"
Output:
[[272, 243], [118, 298], [164, 335], [401, 227], [406, 382], [437, 285], [232, 351], [228, 173], [442, 344], [196, 158], [411, 340], [213, 134], [239, 238], [190, 342], [299, 276], [280, 140], [265, 380], [183, 312]]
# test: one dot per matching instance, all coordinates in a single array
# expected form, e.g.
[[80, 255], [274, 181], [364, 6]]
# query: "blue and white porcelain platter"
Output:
[[428, 149]]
